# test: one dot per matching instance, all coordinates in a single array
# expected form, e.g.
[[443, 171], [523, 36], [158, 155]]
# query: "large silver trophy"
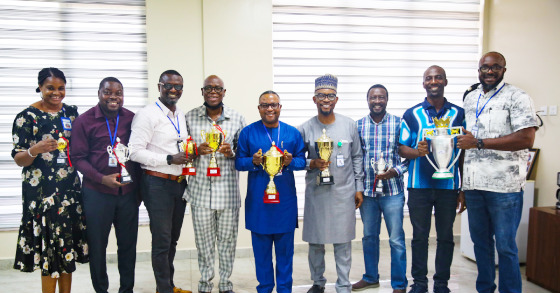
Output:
[[442, 146], [379, 166], [123, 155]]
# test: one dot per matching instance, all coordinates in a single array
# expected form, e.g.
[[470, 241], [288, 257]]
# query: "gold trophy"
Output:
[[189, 148], [273, 161], [324, 148], [214, 138], [62, 144]]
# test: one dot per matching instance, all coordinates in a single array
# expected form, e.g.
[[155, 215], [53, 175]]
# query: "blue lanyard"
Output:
[[438, 116], [477, 112], [270, 138], [113, 138], [177, 127]]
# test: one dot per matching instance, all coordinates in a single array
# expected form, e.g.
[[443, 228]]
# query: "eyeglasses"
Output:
[[486, 68], [217, 89], [169, 86], [323, 96], [265, 106]]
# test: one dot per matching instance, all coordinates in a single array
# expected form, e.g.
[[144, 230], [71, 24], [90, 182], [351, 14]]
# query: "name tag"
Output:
[[339, 160], [112, 161], [213, 171], [474, 131], [66, 123]]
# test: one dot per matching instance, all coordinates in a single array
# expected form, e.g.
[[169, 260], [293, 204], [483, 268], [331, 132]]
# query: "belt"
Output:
[[179, 179]]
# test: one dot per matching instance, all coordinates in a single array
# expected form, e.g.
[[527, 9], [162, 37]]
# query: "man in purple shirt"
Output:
[[107, 201]]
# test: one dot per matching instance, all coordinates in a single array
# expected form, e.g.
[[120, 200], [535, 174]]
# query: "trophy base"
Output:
[[442, 175], [191, 171], [213, 172], [271, 198], [125, 179], [325, 180]]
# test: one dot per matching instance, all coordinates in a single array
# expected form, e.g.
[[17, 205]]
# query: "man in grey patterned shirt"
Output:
[[215, 200], [501, 126]]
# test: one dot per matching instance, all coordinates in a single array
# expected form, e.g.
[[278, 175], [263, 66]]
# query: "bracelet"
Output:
[[29, 153]]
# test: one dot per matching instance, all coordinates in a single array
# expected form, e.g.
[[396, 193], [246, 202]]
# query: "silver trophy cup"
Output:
[[379, 166], [123, 155], [442, 148]]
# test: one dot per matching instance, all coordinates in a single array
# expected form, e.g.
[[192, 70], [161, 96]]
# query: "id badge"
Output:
[[66, 123], [474, 131], [112, 161], [339, 160]]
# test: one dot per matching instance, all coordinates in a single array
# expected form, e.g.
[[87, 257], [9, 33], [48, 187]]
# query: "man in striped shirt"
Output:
[[379, 136]]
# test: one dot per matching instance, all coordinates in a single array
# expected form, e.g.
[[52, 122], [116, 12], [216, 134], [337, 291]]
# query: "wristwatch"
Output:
[[480, 144], [169, 159]]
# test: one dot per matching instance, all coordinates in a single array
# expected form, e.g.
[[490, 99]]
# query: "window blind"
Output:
[[365, 42], [88, 40]]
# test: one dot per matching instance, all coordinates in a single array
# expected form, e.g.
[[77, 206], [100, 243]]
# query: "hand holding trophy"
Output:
[[443, 146], [62, 146], [120, 151], [379, 166], [324, 148], [273, 161], [214, 138], [189, 148]]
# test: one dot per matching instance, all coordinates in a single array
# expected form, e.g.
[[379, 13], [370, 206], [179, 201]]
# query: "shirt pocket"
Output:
[[499, 123]]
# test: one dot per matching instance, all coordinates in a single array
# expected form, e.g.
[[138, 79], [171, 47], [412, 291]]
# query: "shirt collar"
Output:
[[498, 86], [427, 106], [226, 112], [98, 113], [383, 120]]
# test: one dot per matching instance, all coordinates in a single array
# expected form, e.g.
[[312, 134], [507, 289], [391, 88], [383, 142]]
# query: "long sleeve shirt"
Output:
[[219, 192], [88, 148], [381, 139], [260, 217], [156, 132]]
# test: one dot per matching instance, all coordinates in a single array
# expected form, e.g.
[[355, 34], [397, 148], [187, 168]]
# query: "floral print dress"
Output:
[[52, 231]]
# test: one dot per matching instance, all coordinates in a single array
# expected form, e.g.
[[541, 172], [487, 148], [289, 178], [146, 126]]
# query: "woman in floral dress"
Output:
[[52, 231]]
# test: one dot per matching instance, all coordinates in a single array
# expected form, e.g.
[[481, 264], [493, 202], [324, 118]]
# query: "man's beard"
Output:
[[489, 87], [213, 107]]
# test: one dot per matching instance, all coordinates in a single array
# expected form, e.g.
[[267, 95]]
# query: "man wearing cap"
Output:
[[215, 200], [330, 203], [272, 223], [156, 131]]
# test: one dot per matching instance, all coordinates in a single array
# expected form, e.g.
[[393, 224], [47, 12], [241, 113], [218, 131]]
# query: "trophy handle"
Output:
[[110, 149], [431, 163], [203, 134], [456, 158]]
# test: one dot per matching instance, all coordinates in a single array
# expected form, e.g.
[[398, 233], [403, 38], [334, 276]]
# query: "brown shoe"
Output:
[[399, 290], [362, 285], [179, 290]]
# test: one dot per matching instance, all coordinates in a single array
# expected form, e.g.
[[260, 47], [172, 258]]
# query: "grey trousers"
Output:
[[343, 259]]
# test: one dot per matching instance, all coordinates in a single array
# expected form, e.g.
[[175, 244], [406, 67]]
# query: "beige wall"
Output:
[[233, 39], [526, 33]]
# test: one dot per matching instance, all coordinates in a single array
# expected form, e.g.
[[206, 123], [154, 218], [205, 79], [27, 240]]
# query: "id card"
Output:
[[66, 123], [339, 160], [474, 131], [112, 161]]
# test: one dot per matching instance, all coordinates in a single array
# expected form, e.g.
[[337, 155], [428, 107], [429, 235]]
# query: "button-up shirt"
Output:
[[156, 132], [381, 139], [88, 148], [219, 192]]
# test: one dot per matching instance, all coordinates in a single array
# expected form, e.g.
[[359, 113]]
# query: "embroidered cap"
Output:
[[327, 81]]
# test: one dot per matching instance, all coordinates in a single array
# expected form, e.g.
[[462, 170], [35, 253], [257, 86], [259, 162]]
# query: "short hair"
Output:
[[380, 86], [109, 79], [170, 72], [497, 53], [49, 72], [268, 93]]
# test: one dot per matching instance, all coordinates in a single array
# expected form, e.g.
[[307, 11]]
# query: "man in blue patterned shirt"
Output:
[[379, 136], [426, 193]]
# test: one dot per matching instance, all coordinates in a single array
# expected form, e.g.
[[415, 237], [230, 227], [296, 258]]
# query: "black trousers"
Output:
[[102, 211], [166, 208]]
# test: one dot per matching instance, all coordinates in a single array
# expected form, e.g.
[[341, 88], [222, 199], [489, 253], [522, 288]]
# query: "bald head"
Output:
[[496, 56], [435, 68]]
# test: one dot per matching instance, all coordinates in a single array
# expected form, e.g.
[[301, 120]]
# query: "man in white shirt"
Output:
[[156, 131]]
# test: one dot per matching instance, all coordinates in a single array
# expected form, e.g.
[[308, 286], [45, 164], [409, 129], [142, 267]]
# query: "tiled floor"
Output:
[[186, 275]]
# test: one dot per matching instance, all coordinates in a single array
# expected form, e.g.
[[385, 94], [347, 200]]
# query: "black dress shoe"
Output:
[[316, 289], [228, 291]]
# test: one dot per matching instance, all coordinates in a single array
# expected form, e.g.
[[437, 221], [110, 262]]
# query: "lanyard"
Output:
[[437, 116], [113, 138], [177, 127], [477, 112], [270, 138]]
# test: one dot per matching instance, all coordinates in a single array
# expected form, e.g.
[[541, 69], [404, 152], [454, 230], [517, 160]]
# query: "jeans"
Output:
[[420, 204], [166, 209], [392, 209], [494, 214]]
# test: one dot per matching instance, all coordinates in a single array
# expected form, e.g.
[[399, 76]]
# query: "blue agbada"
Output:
[[270, 218]]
